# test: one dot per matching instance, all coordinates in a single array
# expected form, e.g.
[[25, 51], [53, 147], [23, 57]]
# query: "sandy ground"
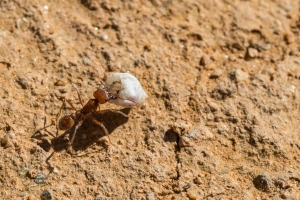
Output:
[[221, 120]]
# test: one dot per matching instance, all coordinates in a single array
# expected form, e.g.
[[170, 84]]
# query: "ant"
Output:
[[101, 96]]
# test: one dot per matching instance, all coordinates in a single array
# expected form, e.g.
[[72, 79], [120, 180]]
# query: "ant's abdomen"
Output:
[[65, 122]]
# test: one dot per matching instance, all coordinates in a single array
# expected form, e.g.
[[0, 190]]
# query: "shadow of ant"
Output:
[[87, 134]]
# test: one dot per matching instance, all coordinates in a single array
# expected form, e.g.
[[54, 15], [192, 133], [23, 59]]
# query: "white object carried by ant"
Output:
[[128, 88]]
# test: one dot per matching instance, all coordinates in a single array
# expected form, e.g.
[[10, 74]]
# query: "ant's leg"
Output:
[[102, 126], [73, 134], [111, 110], [62, 106], [78, 94], [48, 163], [59, 113]]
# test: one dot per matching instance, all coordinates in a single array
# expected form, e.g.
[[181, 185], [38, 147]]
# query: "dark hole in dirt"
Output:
[[170, 136]]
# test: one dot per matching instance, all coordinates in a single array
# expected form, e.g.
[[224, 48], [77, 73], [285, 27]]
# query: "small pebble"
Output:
[[216, 73], [114, 66], [198, 181], [32, 173], [43, 47], [86, 60], [289, 38], [240, 75], [23, 82], [210, 66], [192, 195], [31, 197], [46, 195], [59, 83], [294, 51], [213, 106], [165, 192], [150, 196], [63, 90], [201, 132], [185, 141], [251, 53], [6, 142], [103, 36], [181, 127], [108, 55], [205, 60], [148, 47], [262, 183]]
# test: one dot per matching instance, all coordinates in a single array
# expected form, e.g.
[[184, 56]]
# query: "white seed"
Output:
[[128, 88]]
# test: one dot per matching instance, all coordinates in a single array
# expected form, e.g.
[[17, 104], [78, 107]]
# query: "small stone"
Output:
[[86, 60], [55, 170], [205, 60], [198, 181], [294, 51], [289, 38], [251, 53], [63, 90], [31, 197], [150, 196], [114, 66], [148, 47], [216, 73], [108, 55], [165, 192], [232, 58], [240, 75], [23, 82], [201, 132], [181, 127], [213, 106], [6, 142], [121, 142], [262, 183], [46, 195], [185, 141], [59, 83], [210, 66], [43, 47], [103, 36], [32, 173], [192, 195], [105, 141]]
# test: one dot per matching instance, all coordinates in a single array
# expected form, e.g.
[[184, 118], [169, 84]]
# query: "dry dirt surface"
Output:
[[222, 117]]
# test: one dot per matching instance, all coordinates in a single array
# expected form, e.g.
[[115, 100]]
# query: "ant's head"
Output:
[[65, 122], [101, 95]]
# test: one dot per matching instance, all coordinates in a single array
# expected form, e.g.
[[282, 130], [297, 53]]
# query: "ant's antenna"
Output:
[[100, 81], [78, 94]]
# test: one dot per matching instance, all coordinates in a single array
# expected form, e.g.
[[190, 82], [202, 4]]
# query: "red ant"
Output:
[[101, 96]]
